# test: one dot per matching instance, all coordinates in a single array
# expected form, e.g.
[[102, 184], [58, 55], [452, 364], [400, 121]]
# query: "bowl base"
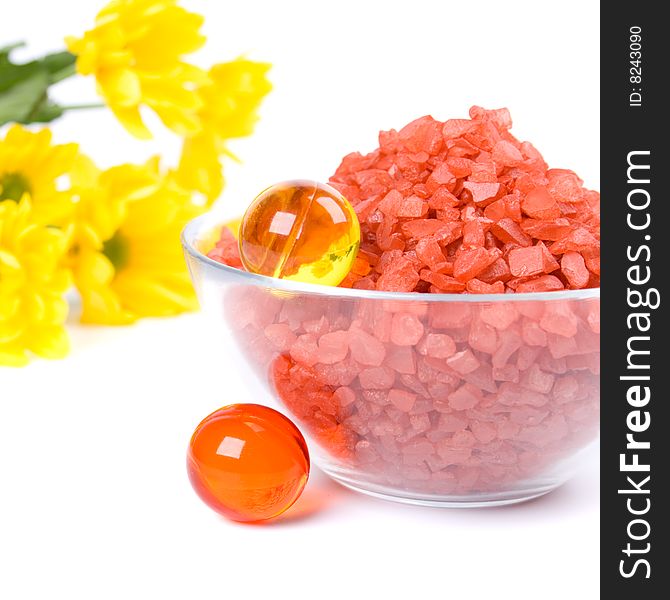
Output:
[[475, 500]]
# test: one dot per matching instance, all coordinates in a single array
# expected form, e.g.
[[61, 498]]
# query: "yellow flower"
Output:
[[126, 255], [230, 102], [32, 284], [135, 51], [31, 164]]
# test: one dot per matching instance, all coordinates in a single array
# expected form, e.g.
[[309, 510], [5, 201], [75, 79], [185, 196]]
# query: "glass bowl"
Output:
[[438, 399]]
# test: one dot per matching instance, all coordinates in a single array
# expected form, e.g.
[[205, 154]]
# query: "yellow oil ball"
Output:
[[300, 230]]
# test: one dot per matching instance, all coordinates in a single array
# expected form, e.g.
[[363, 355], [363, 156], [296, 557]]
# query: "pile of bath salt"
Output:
[[463, 206]]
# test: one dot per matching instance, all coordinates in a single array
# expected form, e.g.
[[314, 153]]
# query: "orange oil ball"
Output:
[[248, 462], [300, 230]]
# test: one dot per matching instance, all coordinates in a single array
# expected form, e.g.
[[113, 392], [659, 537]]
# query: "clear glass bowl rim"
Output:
[[195, 227]]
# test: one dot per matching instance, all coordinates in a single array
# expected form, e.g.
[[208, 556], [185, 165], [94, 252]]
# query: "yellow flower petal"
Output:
[[32, 282], [135, 52]]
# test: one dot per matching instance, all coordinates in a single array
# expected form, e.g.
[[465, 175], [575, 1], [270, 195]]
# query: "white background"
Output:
[[94, 500]]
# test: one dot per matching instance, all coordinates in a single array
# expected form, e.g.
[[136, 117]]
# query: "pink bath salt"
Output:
[[442, 198], [420, 228], [474, 233], [401, 359], [463, 439], [589, 362], [377, 378], [532, 334], [560, 319], [592, 259], [450, 315], [498, 271], [444, 283], [401, 399], [463, 362], [402, 276], [365, 452], [507, 154], [565, 389], [406, 329], [544, 283], [439, 345], [528, 415], [484, 432], [564, 185], [483, 337], [420, 423], [500, 315], [475, 286], [422, 135], [453, 455], [593, 317], [413, 208], [365, 348], [391, 203], [483, 193], [344, 396], [280, 335], [561, 346], [305, 350], [537, 380], [333, 347], [316, 326], [574, 269], [509, 342], [507, 429], [579, 240], [430, 252], [482, 377], [509, 232], [552, 364], [467, 396], [526, 262], [539, 204], [451, 422], [506, 373], [470, 262], [527, 356], [546, 230]]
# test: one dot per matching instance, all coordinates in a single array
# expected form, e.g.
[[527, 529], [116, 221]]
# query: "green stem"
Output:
[[84, 106]]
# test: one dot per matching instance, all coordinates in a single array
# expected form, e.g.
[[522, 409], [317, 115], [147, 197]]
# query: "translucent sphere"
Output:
[[300, 230]]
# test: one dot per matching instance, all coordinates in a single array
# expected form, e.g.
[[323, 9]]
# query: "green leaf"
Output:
[[46, 111], [24, 87], [18, 102], [59, 64]]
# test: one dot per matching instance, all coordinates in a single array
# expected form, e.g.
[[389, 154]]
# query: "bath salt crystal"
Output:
[[406, 329], [467, 396], [344, 396], [538, 203], [365, 348], [401, 359], [402, 400], [333, 347], [439, 345], [574, 269], [378, 378], [463, 362]]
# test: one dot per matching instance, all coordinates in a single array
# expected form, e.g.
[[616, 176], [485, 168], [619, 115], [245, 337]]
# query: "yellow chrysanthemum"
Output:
[[125, 254], [230, 102], [135, 53], [31, 164], [32, 284]]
